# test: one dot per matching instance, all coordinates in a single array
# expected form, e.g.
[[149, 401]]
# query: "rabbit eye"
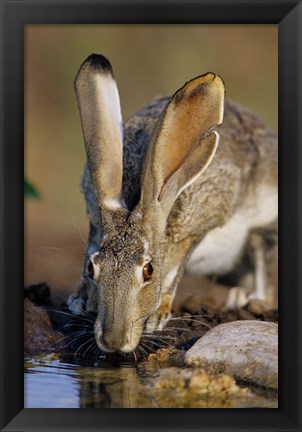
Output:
[[148, 271], [90, 270]]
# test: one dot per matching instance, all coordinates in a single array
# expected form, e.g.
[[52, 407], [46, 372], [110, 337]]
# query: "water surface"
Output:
[[65, 382]]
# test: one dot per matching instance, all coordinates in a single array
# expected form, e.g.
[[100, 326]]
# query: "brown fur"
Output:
[[166, 145]]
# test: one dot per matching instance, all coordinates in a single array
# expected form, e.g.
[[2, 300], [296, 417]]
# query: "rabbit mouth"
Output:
[[126, 349], [111, 344]]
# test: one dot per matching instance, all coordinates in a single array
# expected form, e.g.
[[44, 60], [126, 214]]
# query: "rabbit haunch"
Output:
[[221, 249], [170, 195]]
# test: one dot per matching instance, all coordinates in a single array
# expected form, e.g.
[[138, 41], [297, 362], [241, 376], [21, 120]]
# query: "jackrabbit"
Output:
[[162, 196]]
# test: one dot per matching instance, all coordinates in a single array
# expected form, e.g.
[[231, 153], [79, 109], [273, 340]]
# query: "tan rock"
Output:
[[195, 388], [246, 350]]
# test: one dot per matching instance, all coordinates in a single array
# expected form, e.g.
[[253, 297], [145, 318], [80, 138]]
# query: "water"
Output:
[[64, 382]]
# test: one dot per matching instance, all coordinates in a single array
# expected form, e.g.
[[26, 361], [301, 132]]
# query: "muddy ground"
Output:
[[196, 310], [159, 375]]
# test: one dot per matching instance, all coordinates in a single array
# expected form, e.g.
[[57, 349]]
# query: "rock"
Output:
[[38, 294], [167, 357], [195, 388], [262, 309], [38, 331], [246, 350]]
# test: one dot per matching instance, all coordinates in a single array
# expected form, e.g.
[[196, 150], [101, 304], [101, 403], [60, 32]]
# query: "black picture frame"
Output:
[[14, 15]]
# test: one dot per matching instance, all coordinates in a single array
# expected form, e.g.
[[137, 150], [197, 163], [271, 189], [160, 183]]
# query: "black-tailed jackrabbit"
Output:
[[162, 196]]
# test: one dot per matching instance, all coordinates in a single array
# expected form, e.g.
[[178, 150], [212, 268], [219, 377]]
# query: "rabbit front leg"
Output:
[[76, 302], [262, 247], [162, 315], [175, 254], [85, 298], [240, 296]]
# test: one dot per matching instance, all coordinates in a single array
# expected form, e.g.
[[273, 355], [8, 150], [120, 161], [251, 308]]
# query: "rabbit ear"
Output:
[[183, 143], [100, 111]]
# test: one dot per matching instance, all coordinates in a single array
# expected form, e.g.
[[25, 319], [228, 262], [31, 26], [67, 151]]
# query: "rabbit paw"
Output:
[[240, 297], [161, 316], [77, 302], [157, 322]]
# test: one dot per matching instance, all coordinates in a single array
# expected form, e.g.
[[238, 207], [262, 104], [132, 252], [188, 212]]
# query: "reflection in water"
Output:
[[49, 384], [54, 382], [111, 387], [57, 383]]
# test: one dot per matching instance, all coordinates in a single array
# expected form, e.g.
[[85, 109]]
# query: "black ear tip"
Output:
[[97, 61]]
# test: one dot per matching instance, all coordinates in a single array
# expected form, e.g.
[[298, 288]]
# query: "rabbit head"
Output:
[[127, 271]]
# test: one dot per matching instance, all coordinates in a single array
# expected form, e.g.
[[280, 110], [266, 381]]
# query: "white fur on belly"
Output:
[[221, 248]]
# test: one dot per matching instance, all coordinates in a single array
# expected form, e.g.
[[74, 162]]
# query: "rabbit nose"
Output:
[[112, 341]]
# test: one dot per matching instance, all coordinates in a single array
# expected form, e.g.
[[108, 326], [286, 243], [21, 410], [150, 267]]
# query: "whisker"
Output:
[[79, 336], [100, 352], [77, 325], [95, 352], [195, 315], [143, 350], [89, 340], [192, 320], [149, 348], [153, 343], [139, 348], [48, 248], [78, 230], [159, 336], [69, 335], [162, 339], [60, 295], [59, 340], [87, 314], [64, 328], [66, 251], [69, 314], [175, 328], [89, 347], [188, 293], [167, 344], [162, 342]]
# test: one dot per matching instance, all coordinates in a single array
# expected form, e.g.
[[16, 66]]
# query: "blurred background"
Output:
[[148, 60]]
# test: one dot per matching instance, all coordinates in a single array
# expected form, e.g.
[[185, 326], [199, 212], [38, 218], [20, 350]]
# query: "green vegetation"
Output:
[[30, 191]]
